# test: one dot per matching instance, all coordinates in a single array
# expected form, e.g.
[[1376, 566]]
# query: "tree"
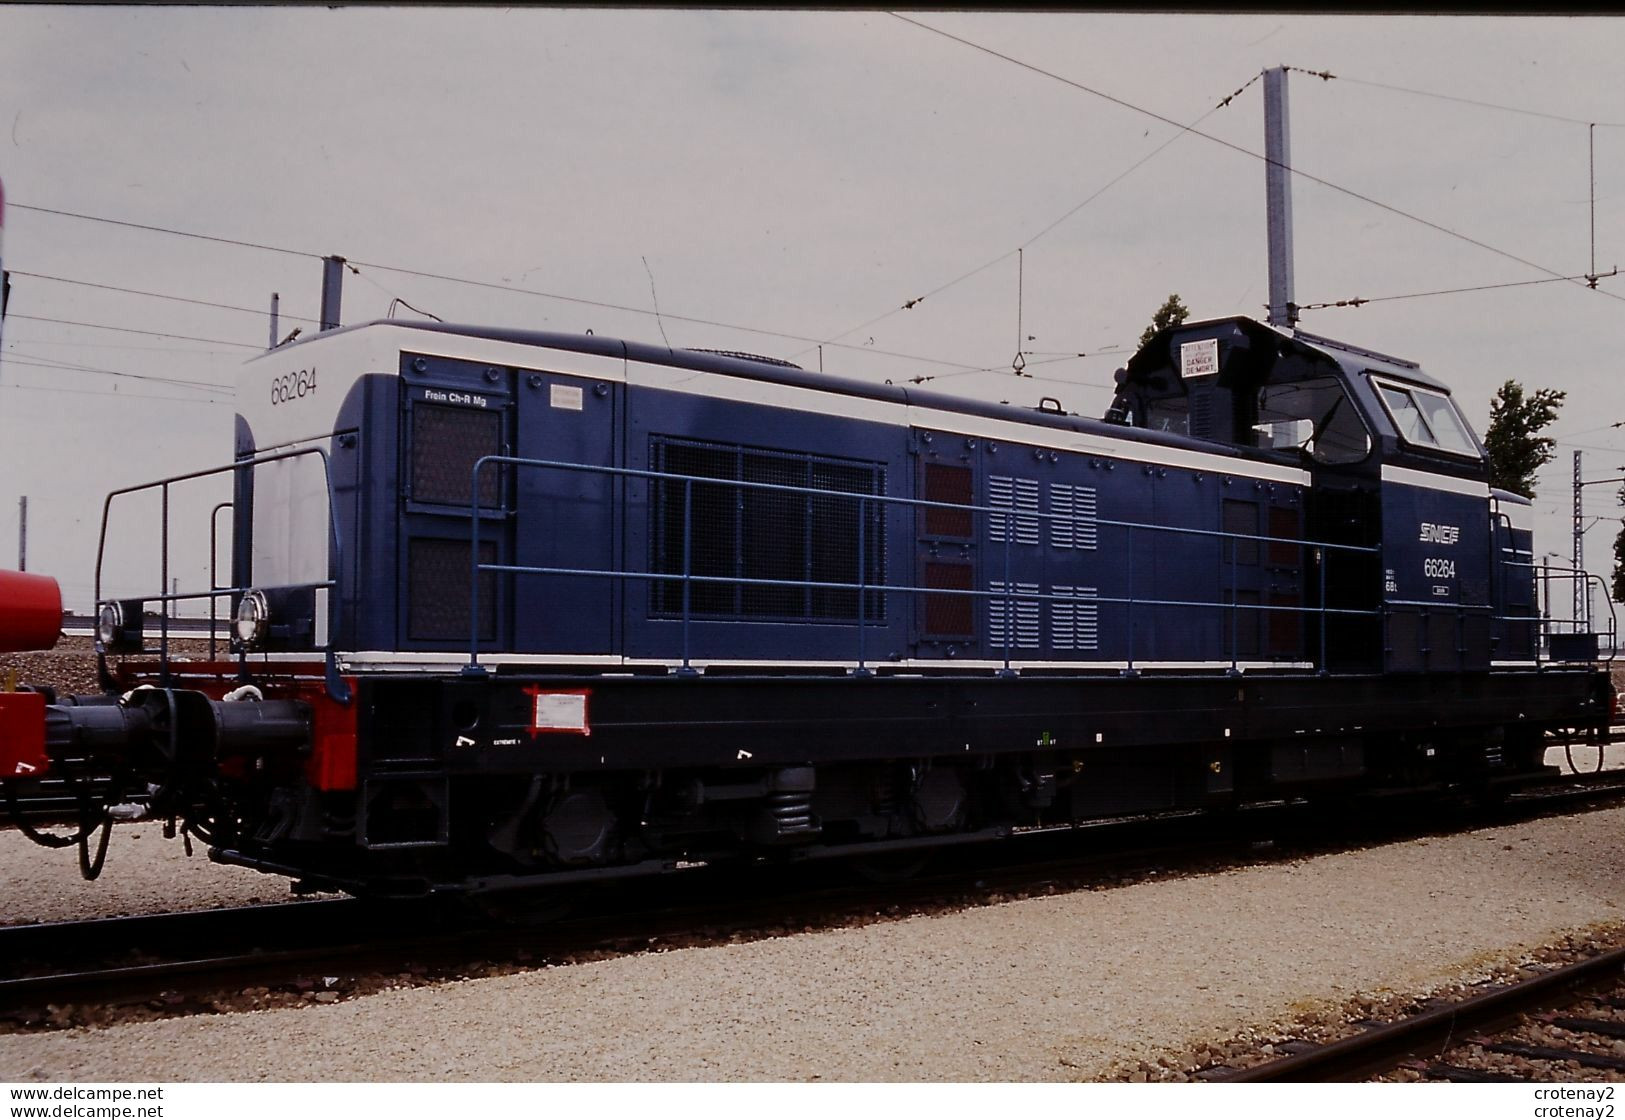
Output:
[[1514, 443], [1170, 314], [1619, 555]]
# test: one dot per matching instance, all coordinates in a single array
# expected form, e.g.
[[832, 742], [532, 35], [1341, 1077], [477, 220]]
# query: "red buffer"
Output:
[[30, 611]]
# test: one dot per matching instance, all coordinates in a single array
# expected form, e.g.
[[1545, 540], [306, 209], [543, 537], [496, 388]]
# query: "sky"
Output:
[[783, 183]]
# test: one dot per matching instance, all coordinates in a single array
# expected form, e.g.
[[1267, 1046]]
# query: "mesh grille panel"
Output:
[[437, 591], [1240, 517], [949, 616], [952, 485], [747, 533], [446, 443], [1283, 523]]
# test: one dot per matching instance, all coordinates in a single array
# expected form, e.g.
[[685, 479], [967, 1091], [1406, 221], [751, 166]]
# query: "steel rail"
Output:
[[1386, 1046]]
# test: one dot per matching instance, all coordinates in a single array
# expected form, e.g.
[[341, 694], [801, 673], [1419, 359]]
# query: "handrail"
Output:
[[336, 687], [1009, 514], [214, 573]]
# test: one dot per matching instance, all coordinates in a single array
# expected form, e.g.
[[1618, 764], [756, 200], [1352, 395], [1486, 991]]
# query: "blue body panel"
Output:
[[1437, 579], [1062, 557]]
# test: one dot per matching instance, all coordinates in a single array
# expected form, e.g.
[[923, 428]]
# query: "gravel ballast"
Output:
[[144, 874], [1068, 987]]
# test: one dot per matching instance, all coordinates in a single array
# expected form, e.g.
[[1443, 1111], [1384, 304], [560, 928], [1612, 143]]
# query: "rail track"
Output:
[[1572, 1011], [183, 962], [186, 962]]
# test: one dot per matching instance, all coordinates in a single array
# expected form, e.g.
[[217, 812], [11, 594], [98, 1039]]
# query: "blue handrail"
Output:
[[1009, 594], [336, 687]]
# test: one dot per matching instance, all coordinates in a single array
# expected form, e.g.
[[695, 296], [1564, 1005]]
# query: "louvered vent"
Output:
[[1074, 520], [1074, 618], [1019, 494], [1013, 622]]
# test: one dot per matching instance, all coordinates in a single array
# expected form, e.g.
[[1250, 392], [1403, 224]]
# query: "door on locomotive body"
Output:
[[564, 516], [452, 415], [1437, 534], [1307, 406], [1515, 634], [1243, 386], [559, 517]]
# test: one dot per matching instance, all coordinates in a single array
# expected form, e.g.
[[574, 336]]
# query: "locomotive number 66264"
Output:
[[291, 386]]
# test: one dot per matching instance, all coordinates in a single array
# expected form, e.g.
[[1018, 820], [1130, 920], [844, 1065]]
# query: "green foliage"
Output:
[[1514, 443], [1619, 555], [1170, 314]]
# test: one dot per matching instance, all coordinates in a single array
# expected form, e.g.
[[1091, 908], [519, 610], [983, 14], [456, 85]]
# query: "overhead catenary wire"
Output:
[[1019, 361], [111, 396], [1104, 352], [910, 304], [1462, 100], [24, 359], [165, 229], [863, 349], [354, 265], [1307, 176], [1361, 301], [156, 295], [11, 338], [131, 330], [395, 297], [1183, 129]]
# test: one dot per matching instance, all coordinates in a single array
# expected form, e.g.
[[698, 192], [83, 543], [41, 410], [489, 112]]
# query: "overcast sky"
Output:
[[798, 174]]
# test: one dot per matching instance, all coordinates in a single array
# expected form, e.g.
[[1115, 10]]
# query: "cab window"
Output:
[[1171, 414], [1316, 415], [1426, 418]]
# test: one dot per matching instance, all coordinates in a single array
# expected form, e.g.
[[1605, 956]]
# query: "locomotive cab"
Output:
[[1393, 465], [1242, 384]]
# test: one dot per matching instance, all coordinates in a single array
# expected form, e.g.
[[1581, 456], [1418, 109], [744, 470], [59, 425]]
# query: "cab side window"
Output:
[[1316, 415]]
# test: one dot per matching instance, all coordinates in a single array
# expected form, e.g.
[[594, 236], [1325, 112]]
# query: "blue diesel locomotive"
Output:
[[514, 607]]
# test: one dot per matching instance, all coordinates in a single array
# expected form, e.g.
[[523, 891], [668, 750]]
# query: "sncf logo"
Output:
[[1439, 534]]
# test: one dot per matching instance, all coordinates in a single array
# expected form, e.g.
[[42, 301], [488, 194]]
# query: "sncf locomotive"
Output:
[[514, 607]]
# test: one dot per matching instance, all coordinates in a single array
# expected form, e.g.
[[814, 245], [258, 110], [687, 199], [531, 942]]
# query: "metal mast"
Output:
[[1278, 199], [332, 290], [1579, 554]]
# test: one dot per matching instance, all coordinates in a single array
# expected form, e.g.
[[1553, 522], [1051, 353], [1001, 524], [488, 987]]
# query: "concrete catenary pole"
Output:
[[332, 291], [1278, 199], [5, 284]]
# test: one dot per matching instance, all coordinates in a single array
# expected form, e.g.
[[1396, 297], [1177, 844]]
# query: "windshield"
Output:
[[1427, 418]]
